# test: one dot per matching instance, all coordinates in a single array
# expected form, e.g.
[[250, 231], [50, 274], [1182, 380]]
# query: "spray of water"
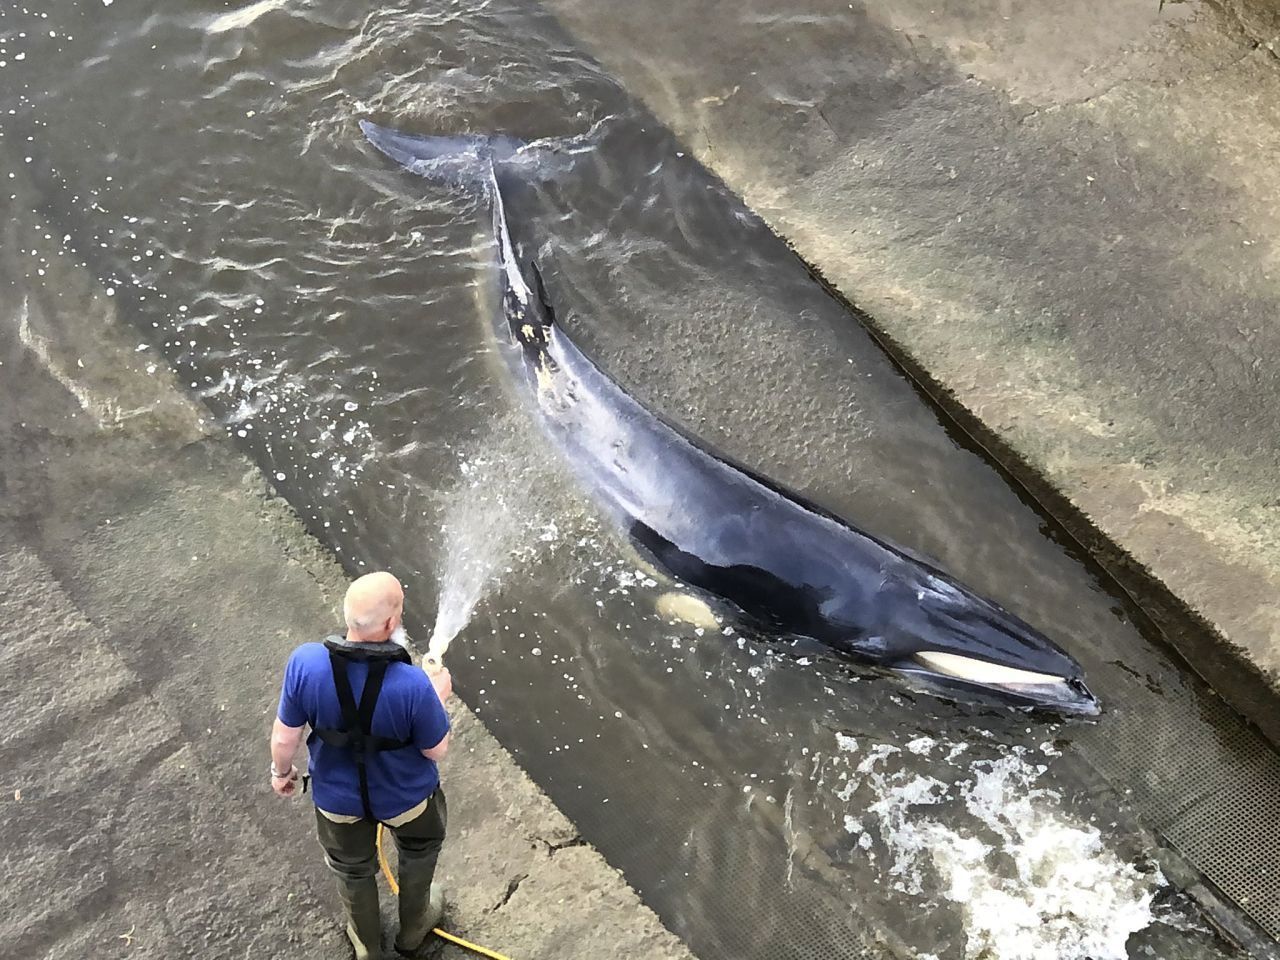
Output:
[[492, 522]]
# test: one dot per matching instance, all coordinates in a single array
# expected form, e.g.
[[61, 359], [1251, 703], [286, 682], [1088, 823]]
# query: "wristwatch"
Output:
[[293, 772]]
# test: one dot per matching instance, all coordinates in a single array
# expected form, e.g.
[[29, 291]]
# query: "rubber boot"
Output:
[[364, 922], [421, 905]]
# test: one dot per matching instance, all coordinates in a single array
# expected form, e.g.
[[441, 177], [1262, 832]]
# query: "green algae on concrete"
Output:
[[1066, 216]]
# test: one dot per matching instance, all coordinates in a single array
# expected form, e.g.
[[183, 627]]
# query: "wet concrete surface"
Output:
[[153, 587], [1065, 218]]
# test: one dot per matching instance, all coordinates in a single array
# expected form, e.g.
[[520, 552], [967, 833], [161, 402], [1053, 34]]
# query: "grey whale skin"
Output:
[[794, 569]]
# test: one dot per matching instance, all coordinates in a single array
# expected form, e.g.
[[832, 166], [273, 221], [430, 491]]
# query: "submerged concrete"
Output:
[[153, 587], [1063, 221]]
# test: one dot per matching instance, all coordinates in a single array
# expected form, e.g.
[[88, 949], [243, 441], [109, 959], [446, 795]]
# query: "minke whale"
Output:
[[787, 566]]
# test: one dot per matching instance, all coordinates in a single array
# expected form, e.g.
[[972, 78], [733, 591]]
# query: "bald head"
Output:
[[373, 607]]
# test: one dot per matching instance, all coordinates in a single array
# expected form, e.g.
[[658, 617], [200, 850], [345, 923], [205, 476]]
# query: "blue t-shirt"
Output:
[[408, 709]]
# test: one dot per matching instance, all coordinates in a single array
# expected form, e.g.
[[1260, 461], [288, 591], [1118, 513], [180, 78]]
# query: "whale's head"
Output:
[[958, 645], [978, 680]]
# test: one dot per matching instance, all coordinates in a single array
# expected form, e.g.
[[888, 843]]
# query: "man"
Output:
[[378, 728]]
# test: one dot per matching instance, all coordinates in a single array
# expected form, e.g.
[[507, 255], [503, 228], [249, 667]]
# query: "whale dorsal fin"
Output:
[[548, 317]]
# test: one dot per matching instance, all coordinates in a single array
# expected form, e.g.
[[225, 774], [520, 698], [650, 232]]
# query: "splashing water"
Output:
[[1061, 894], [491, 521]]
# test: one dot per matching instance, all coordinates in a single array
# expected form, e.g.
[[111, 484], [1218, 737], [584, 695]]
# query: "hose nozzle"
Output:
[[433, 659]]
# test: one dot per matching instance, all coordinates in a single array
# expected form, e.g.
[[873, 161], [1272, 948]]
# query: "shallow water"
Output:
[[203, 160]]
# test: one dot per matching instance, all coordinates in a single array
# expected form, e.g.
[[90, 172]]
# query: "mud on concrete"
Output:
[[1063, 219], [153, 588]]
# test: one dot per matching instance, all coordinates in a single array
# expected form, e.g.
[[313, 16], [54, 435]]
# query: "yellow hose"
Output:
[[395, 888]]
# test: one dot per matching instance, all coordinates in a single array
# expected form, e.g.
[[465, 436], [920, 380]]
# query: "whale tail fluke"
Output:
[[470, 160], [462, 160]]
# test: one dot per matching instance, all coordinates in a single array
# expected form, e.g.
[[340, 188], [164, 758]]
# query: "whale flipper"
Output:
[[686, 608]]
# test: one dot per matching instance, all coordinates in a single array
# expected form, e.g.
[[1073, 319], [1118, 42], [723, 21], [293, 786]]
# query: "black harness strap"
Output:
[[369, 698], [356, 735]]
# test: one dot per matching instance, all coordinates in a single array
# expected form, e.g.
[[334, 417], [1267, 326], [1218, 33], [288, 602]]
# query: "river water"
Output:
[[202, 159]]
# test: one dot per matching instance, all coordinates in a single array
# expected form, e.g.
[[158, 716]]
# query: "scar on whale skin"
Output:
[[546, 380]]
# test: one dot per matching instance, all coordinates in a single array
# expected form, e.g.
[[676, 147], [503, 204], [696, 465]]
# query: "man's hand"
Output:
[[284, 747], [442, 680], [285, 786]]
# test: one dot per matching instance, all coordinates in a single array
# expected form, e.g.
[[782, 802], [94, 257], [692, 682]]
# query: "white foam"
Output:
[[1055, 892], [922, 745]]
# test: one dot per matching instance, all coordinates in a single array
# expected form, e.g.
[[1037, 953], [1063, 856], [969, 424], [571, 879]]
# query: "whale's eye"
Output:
[[980, 671]]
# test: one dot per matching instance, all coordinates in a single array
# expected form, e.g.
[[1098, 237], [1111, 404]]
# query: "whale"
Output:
[[785, 566]]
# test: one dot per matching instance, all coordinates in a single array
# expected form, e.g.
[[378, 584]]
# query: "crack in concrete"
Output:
[[512, 887], [554, 848]]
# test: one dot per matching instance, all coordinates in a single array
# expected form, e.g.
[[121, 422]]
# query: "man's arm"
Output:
[[442, 682], [286, 733], [285, 741], [437, 752]]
